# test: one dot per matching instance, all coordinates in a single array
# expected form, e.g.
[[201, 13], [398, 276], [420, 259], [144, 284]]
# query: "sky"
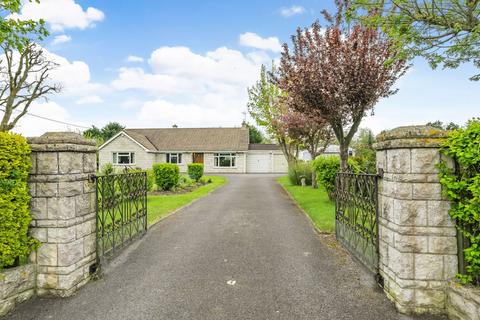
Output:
[[155, 63]]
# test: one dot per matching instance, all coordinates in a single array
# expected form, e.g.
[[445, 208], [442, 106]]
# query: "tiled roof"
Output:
[[191, 139]]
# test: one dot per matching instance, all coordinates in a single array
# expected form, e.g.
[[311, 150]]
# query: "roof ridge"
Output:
[[185, 128]]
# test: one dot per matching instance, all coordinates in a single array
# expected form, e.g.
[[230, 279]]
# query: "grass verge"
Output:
[[314, 202], [161, 205]]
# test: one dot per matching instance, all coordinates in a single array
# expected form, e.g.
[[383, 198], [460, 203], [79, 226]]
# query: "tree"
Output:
[[265, 106], [365, 154], [440, 125], [24, 78], [16, 33], [255, 135], [104, 134], [339, 73], [314, 134], [443, 31]]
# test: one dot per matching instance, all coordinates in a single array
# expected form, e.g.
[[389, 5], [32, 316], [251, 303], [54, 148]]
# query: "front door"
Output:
[[198, 158]]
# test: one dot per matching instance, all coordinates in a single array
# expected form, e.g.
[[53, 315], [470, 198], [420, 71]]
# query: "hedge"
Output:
[[15, 244], [195, 171], [166, 175], [327, 168], [461, 185]]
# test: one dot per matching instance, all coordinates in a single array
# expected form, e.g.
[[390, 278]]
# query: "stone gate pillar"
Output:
[[63, 211], [418, 248]]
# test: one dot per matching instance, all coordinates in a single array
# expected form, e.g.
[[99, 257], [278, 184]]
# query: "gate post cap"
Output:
[[411, 137], [62, 141]]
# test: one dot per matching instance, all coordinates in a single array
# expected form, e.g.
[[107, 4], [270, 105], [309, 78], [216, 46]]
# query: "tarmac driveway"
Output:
[[244, 252]]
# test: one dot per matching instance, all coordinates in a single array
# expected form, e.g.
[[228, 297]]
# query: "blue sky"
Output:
[[191, 62]]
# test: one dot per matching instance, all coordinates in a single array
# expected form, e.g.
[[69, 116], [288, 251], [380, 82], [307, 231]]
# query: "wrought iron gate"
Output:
[[356, 216], [121, 210]]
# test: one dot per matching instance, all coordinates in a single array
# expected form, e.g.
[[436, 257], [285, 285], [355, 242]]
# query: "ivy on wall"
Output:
[[461, 185], [15, 244]]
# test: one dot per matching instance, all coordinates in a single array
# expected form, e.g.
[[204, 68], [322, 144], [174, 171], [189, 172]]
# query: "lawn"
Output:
[[161, 205], [314, 202]]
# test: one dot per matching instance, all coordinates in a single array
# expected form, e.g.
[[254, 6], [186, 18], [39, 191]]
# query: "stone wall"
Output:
[[63, 211], [463, 303], [418, 248], [16, 286]]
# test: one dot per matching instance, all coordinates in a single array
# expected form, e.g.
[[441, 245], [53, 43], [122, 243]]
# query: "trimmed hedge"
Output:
[[195, 171], [166, 175], [461, 185], [15, 244]]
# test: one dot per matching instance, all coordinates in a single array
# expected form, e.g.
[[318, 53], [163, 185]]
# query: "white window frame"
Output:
[[218, 155], [178, 155], [115, 156]]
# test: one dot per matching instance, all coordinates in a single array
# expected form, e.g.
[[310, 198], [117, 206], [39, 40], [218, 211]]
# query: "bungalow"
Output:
[[221, 150]]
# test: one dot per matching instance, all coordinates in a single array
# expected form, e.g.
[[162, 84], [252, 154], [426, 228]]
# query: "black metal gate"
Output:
[[356, 216], [121, 210]]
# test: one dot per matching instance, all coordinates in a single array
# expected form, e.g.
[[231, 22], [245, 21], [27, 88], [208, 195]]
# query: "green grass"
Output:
[[159, 206], [314, 202]]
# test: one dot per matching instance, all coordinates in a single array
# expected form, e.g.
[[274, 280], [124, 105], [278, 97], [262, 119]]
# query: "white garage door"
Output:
[[258, 163], [280, 164]]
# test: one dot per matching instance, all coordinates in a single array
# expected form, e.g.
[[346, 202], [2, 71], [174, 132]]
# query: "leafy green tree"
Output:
[[255, 135], [266, 106], [365, 154], [440, 125], [104, 134], [445, 32], [111, 129], [16, 33]]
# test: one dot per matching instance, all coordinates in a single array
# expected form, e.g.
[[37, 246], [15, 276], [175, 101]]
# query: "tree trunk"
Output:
[[343, 156], [314, 179]]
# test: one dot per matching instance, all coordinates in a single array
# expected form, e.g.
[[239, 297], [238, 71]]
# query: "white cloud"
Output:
[[162, 113], [90, 100], [32, 126], [61, 14], [253, 40], [132, 58], [61, 39], [74, 77], [292, 11], [192, 89]]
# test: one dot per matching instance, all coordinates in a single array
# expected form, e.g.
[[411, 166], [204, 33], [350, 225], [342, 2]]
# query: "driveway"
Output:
[[244, 252]]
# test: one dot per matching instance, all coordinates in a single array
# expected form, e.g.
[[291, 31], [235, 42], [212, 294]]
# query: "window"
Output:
[[174, 158], [124, 158], [224, 159]]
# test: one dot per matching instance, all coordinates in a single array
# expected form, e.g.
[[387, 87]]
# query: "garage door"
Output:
[[258, 163], [280, 164]]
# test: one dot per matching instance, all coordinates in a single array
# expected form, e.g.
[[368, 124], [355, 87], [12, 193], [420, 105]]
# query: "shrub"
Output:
[[327, 168], [15, 244], [150, 180], [461, 185], [107, 169], [166, 175], [300, 170], [195, 171], [150, 177]]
